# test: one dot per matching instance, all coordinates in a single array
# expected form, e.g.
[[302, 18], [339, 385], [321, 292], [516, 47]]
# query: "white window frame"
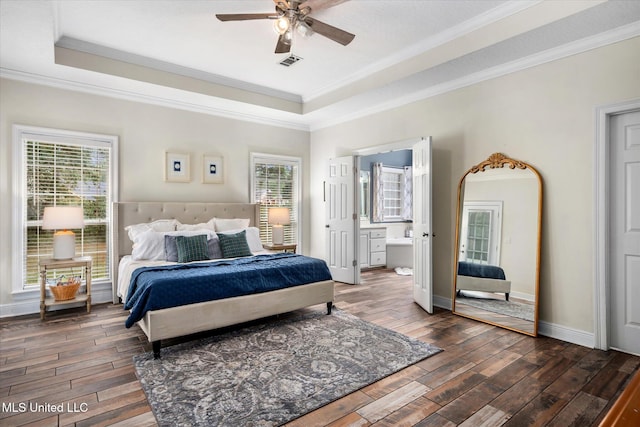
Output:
[[22, 133], [283, 160], [399, 173]]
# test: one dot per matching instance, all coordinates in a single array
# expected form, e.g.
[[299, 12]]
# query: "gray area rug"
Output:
[[272, 373], [509, 308]]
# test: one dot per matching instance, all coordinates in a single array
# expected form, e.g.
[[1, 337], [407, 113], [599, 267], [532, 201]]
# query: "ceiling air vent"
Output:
[[290, 60]]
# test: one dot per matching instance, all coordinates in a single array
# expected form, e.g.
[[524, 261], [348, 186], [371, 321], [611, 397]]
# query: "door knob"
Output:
[[425, 234]]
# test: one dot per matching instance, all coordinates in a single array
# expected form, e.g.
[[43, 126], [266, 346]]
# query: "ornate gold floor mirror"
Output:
[[497, 254]]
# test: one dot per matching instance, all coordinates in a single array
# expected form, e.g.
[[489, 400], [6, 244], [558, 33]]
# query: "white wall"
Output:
[[543, 115], [145, 132]]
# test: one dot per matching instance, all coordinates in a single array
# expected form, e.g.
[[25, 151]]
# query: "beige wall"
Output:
[[543, 115], [145, 132]]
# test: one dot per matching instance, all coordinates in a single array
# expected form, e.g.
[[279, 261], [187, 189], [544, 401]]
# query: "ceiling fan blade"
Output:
[[320, 4], [244, 16], [281, 46], [329, 31]]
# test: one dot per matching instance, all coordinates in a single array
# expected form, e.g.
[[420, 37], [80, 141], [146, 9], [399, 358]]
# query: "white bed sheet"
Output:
[[128, 265]]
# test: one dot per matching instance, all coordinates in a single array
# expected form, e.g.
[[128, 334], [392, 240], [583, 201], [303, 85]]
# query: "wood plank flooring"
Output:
[[76, 369]]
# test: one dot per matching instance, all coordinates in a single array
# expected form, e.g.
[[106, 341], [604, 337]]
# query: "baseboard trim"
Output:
[[551, 330]]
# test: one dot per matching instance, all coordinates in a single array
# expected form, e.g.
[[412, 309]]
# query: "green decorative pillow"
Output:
[[234, 245], [192, 248]]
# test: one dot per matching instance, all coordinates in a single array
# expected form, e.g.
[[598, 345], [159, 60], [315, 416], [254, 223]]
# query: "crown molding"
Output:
[[313, 121], [92, 89], [167, 67], [593, 42]]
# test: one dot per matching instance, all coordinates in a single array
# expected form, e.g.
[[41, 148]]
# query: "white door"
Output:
[[482, 222], [422, 231], [625, 232], [341, 218]]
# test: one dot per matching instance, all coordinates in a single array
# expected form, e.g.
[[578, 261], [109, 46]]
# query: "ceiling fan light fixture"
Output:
[[281, 25], [287, 37], [304, 29]]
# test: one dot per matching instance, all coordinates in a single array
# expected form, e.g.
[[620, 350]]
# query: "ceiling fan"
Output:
[[293, 15]]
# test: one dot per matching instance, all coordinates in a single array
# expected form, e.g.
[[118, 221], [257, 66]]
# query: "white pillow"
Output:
[[159, 225], [202, 226], [149, 245], [253, 238], [222, 224]]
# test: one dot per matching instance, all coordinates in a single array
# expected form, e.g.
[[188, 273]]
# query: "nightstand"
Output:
[[52, 264], [283, 248]]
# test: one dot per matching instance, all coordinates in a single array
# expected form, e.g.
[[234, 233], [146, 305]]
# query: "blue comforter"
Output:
[[480, 270], [155, 288]]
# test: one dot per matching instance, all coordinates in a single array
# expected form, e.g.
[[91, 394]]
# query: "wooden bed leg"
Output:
[[329, 307], [156, 349]]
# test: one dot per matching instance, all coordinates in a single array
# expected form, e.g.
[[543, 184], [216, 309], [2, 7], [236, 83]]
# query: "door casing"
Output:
[[602, 263]]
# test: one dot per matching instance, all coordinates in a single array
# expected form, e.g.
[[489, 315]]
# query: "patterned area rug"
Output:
[[272, 373], [509, 308]]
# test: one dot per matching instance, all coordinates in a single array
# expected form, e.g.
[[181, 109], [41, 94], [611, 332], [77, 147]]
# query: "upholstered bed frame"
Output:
[[184, 320], [467, 283]]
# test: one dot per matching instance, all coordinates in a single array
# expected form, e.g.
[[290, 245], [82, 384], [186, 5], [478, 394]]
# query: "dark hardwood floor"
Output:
[[81, 364]]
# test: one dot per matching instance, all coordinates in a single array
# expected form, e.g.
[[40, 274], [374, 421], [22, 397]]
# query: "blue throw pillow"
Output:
[[234, 245], [192, 248]]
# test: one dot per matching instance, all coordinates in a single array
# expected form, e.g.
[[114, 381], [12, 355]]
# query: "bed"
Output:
[[482, 278], [171, 322]]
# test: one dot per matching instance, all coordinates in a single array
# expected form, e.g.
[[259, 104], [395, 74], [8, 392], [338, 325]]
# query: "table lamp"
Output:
[[277, 218], [62, 218]]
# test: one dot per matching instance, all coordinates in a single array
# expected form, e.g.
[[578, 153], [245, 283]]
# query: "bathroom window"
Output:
[[392, 193], [393, 181]]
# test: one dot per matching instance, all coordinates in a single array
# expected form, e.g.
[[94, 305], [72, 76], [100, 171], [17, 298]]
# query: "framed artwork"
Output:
[[212, 169], [176, 167]]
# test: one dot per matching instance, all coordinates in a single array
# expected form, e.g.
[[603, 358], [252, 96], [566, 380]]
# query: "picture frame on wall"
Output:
[[212, 169], [176, 167]]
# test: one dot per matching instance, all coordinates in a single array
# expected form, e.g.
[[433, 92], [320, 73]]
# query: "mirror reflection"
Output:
[[497, 250], [364, 195]]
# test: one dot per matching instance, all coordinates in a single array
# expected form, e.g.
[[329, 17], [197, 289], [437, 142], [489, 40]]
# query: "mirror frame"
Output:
[[499, 161]]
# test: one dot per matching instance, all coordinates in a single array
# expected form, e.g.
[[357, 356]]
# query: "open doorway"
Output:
[[385, 198]]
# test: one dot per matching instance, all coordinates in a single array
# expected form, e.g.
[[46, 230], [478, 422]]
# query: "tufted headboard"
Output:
[[129, 213]]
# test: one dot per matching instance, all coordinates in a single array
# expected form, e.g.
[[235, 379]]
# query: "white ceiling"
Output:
[[177, 53]]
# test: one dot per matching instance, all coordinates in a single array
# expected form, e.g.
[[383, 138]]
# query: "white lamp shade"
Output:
[[62, 217], [279, 216]]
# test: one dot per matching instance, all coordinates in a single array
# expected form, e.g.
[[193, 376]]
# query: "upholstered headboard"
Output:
[[129, 213]]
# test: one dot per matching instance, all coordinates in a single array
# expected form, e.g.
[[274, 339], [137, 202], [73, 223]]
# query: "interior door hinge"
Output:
[[354, 217], [354, 263]]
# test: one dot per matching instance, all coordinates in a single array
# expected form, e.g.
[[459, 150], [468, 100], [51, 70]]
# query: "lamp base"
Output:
[[277, 234], [64, 245]]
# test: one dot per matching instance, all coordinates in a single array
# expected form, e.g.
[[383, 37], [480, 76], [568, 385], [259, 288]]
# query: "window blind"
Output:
[[393, 184], [275, 184], [63, 174]]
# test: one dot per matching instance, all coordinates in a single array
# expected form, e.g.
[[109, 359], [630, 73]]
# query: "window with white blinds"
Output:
[[62, 168], [275, 182], [393, 185]]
